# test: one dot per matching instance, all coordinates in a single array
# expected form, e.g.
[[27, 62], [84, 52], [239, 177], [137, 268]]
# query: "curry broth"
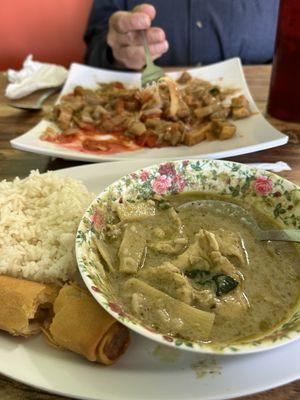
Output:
[[267, 280]]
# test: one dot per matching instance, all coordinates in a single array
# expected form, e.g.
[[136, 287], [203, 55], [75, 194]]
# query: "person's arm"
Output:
[[98, 53]]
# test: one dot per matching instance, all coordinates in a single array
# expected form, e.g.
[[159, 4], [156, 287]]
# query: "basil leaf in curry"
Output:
[[224, 284]]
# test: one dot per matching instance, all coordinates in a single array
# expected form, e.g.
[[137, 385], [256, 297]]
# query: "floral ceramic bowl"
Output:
[[276, 197]]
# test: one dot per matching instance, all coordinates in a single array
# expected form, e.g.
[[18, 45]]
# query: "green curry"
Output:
[[197, 273]]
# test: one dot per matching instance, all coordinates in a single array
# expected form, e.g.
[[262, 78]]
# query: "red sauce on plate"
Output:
[[90, 141]]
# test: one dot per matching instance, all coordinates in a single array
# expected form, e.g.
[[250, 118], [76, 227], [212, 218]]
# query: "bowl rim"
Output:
[[238, 348]]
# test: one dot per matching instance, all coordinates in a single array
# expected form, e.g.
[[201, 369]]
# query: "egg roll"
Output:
[[24, 305], [81, 325]]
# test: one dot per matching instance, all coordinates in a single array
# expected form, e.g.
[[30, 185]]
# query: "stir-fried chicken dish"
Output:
[[169, 113]]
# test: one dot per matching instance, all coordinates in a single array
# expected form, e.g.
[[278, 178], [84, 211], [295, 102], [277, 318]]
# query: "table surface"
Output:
[[17, 163]]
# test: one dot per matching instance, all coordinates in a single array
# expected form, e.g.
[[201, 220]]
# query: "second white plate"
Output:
[[253, 134], [147, 371]]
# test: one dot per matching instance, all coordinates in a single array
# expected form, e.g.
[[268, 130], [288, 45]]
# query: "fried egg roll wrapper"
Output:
[[24, 305], [81, 325]]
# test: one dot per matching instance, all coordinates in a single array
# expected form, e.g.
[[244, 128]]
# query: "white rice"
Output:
[[39, 216]]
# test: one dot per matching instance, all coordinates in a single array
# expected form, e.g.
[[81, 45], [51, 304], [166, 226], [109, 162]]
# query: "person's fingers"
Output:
[[126, 41], [124, 22], [145, 8], [154, 35], [134, 56]]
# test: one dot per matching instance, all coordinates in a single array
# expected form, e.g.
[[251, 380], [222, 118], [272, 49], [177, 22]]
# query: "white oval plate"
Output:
[[144, 373], [253, 134]]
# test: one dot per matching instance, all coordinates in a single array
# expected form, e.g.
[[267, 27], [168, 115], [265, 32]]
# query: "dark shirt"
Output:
[[198, 31]]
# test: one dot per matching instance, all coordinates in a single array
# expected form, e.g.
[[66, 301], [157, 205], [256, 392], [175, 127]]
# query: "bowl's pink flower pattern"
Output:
[[96, 289], [144, 175], [178, 183], [116, 308], [169, 179], [161, 184], [263, 185], [167, 169], [98, 220], [168, 338]]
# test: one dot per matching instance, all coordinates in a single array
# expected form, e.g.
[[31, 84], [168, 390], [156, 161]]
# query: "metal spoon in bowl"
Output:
[[223, 207]]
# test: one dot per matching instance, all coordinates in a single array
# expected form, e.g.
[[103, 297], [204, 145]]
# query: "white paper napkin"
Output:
[[274, 167], [34, 76]]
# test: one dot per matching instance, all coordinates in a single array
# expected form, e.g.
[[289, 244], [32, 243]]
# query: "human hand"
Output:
[[126, 41]]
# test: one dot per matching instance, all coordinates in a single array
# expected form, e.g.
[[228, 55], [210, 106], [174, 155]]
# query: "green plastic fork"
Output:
[[152, 72]]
